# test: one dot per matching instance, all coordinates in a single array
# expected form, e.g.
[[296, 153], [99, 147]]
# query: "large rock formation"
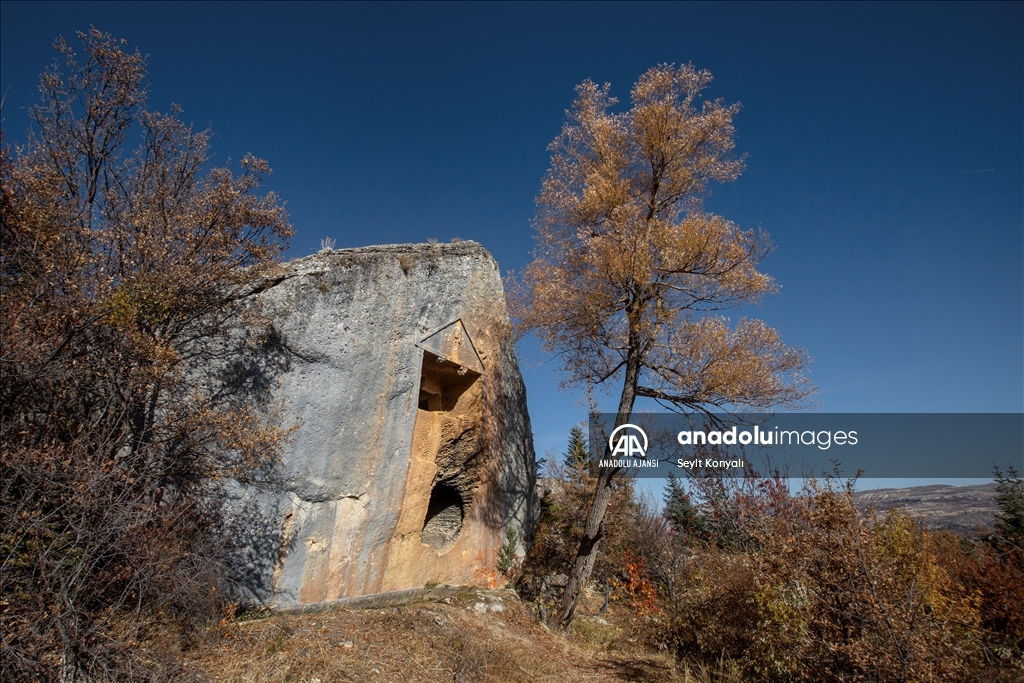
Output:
[[411, 456]]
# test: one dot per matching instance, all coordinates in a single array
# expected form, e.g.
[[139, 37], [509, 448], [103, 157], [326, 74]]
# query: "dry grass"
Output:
[[449, 640]]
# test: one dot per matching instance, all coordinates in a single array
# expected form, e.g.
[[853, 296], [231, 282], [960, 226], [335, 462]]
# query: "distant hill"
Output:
[[958, 508]]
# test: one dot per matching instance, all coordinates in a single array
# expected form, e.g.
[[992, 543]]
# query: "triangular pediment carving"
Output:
[[453, 343]]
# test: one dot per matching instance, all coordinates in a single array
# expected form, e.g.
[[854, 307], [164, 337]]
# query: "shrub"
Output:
[[116, 263], [814, 591]]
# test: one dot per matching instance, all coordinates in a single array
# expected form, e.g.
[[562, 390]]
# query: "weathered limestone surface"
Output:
[[411, 456]]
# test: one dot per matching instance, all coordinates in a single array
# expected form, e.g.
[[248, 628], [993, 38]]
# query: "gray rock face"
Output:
[[411, 454]]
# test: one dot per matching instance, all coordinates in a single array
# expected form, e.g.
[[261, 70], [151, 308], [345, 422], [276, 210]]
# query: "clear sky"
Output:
[[884, 142]]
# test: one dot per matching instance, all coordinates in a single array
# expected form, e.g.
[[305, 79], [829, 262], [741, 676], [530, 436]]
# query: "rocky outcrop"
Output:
[[411, 455]]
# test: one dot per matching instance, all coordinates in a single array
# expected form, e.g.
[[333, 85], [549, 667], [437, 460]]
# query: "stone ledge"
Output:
[[375, 600]]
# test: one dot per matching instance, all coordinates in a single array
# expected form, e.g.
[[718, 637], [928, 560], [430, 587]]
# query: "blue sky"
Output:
[[884, 142]]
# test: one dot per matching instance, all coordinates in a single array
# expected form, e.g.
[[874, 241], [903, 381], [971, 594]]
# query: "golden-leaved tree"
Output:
[[121, 258], [629, 269]]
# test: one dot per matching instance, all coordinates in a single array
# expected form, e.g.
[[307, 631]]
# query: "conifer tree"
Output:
[[1010, 499], [577, 457], [679, 509]]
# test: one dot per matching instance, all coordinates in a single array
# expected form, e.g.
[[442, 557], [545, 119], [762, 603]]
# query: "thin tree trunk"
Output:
[[586, 554]]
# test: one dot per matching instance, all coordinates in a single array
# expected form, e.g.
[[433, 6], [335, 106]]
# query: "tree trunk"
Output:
[[586, 554]]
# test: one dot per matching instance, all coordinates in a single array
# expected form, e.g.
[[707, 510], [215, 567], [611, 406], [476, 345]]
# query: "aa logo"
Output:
[[627, 445]]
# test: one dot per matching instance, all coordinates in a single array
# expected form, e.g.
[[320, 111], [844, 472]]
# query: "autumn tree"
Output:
[[629, 270], [122, 263]]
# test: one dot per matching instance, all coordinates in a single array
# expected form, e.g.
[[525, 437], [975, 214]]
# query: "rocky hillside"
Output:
[[963, 509]]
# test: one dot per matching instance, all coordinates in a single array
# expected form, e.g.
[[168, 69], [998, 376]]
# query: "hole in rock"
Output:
[[442, 382], [443, 522]]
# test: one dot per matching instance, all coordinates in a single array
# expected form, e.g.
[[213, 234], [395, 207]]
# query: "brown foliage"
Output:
[[807, 588], [628, 265], [629, 268], [117, 262], [995, 577]]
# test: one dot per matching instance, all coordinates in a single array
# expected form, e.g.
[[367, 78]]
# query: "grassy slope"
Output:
[[446, 640]]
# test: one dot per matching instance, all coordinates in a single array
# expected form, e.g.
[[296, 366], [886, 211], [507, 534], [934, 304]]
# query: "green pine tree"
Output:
[[1010, 499], [577, 457], [679, 509]]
